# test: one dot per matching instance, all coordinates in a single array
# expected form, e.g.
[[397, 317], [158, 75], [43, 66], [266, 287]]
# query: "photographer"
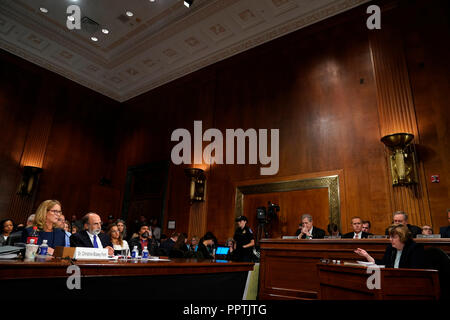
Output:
[[243, 250], [144, 239]]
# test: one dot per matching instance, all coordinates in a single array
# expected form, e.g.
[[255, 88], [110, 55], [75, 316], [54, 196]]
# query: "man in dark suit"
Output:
[[401, 217], [357, 232], [92, 236], [366, 225], [306, 229], [445, 231]]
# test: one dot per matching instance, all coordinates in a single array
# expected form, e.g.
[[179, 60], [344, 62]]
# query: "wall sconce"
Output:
[[401, 159], [30, 178], [197, 185]]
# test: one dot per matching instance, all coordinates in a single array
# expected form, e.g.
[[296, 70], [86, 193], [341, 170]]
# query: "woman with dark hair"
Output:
[[179, 249], [74, 228], [206, 241], [6, 228], [403, 252]]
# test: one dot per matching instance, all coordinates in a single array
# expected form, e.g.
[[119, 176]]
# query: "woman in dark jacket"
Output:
[[403, 252], [205, 242]]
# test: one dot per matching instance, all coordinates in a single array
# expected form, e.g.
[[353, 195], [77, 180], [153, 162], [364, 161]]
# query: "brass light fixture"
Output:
[[401, 159], [197, 184], [29, 180]]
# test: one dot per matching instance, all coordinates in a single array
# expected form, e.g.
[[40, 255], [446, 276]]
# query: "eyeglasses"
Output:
[[55, 211]]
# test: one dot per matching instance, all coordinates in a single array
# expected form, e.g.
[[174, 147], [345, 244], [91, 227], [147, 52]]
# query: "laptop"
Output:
[[221, 253]]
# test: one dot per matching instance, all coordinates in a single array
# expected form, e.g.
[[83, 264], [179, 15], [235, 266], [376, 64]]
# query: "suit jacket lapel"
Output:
[[86, 239]]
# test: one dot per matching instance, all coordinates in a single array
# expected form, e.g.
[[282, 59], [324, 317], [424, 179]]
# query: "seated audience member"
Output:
[[244, 241], [122, 228], [30, 220], [74, 229], [193, 246], [6, 228], [156, 230], [307, 231], [403, 252], [427, 230], [206, 241], [62, 225], [230, 243], [445, 231], [46, 218], [144, 239], [116, 239], [92, 236], [366, 225], [401, 217], [214, 245], [77, 223], [333, 230], [357, 232], [179, 249], [168, 244]]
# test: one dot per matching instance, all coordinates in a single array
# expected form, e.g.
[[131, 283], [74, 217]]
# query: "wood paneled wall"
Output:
[[68, 130], [318, 86]]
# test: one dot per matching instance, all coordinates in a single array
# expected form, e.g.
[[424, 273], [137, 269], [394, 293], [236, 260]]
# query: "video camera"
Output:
[[265, 216]]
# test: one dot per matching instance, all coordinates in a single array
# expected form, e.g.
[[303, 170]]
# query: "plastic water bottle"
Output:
[[34, 235], [145, 253], [43, 248], [134, 253]]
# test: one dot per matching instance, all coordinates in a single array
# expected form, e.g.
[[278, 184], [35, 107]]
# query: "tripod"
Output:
[[261, 231]]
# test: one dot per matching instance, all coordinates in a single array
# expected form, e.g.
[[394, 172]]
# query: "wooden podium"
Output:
[[349, 282]]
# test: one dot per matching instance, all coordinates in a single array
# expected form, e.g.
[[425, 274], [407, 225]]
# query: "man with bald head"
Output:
[[92, 237]]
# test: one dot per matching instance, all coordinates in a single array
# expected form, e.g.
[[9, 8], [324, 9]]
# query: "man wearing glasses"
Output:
[[427, 230]]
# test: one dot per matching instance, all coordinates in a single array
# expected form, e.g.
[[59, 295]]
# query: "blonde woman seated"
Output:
[[46, 219], [117, 240], [403, 252]]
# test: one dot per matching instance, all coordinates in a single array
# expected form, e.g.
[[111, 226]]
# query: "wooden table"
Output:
[[348, 282], [288, 268], [175, 279]]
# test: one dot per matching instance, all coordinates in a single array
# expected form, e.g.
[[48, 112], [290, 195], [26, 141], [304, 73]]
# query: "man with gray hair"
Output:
[[306, 229], [401, 217], [30, 220], [92, 237]]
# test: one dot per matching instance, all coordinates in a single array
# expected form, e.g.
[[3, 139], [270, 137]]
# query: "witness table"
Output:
[[160, 280], [288, 268]]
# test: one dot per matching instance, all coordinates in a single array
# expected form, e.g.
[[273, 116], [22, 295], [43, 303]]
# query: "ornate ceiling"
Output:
[[162, 41]]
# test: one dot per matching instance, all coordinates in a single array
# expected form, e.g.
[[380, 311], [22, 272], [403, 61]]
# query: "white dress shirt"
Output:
[[357, 235], [397, 258], [99, 243]]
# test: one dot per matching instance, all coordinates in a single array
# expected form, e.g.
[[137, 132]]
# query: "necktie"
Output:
[[95, 241], [356, 236]]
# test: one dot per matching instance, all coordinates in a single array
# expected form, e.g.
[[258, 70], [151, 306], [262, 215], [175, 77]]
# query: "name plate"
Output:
[[90, 254]]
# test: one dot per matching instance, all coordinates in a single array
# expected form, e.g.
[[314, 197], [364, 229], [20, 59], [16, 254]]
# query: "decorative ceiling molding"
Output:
[[170, 44]]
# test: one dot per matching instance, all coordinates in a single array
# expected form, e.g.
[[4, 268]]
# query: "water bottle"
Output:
[[43, 248], [134, 253], [33, 236], [145, 253]]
